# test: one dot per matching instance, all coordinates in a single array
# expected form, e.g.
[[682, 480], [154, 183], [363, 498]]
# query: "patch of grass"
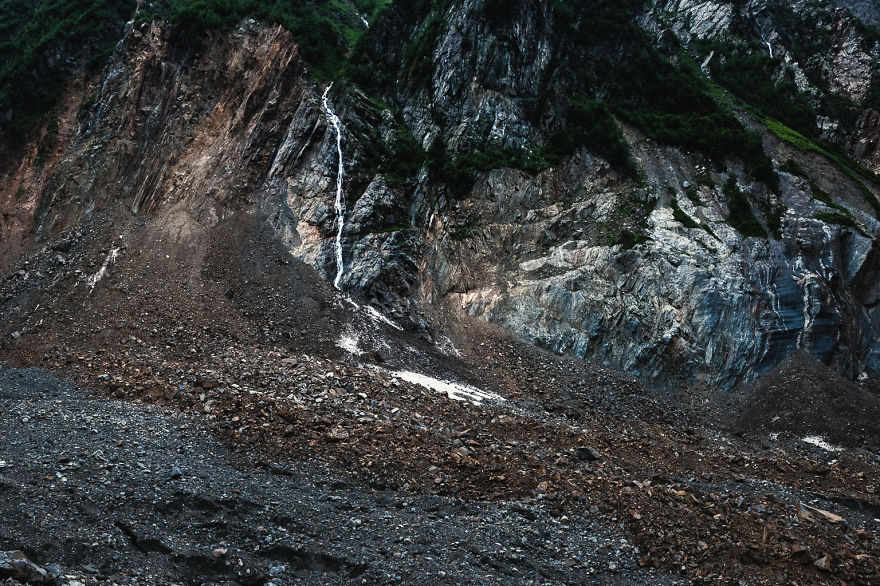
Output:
[[20, 194], [682, 216], [841, 219], [803, 143], [741, 216]]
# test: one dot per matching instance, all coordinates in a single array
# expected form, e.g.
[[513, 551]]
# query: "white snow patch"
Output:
[[373, 313], [455, 391], [349, 343], [377, 315], [111, 257], [819, 442]]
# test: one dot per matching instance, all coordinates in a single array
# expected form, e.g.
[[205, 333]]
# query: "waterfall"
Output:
[[340, 202]]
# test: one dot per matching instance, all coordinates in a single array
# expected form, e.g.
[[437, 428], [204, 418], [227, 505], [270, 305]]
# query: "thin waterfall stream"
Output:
[[340, 201]]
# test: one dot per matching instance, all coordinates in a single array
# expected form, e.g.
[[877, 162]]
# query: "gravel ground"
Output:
[[104, 491]]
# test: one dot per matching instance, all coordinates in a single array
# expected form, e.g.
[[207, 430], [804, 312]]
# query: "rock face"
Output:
[[170, 127], [868, 146], [198, 134], [15, 565]]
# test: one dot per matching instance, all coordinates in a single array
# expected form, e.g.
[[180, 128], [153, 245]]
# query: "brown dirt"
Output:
[[223, 324]]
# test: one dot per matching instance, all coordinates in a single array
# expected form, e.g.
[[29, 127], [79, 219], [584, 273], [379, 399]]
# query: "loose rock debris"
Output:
[[579, 474]]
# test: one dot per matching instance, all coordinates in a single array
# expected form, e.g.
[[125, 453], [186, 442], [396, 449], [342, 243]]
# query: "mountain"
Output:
[[663, 212]]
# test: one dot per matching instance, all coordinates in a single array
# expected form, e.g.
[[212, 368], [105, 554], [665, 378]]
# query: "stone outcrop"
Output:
[[867, 147], [203, 132]]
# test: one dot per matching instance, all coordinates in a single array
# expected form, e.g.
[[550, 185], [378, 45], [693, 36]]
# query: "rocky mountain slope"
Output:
[[483, 174], [641, 235]]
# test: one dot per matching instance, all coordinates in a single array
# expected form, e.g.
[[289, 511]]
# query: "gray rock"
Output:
[[587, 454], [15, 565]]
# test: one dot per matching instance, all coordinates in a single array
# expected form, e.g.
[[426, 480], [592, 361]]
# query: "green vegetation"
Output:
[[819, 194], [398, 160], [803, 143], [674, 105], [590, 124], [419, 55], [691, 193], [31, 33], [748, 72], [741, 217], [682, 216], [628, 225], [793, 167], [372, 68], [20, 193], [324, 30], [459, 173], [841, 219], [465, 231]]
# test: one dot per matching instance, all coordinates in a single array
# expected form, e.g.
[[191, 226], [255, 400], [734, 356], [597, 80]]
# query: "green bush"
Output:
[[324, 30], [591, 125], [842, 161], [748, 72], [682, 216], [398, 160], [459, 173], [741, 216], [693, 195], [31, 33]]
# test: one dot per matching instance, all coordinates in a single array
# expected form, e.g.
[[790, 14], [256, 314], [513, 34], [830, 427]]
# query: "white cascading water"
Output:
[[340, 202]]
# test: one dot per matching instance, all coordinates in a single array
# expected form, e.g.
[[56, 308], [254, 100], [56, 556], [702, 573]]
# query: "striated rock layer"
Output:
[[196, 134]]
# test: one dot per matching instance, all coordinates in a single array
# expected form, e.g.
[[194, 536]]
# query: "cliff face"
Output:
[[645, 271], [173, 127]]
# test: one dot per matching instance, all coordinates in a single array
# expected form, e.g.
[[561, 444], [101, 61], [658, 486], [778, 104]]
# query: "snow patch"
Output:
[[819, 442], [376, 315], [349, 343], [111, 257], [373, 313], [455, 391]]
